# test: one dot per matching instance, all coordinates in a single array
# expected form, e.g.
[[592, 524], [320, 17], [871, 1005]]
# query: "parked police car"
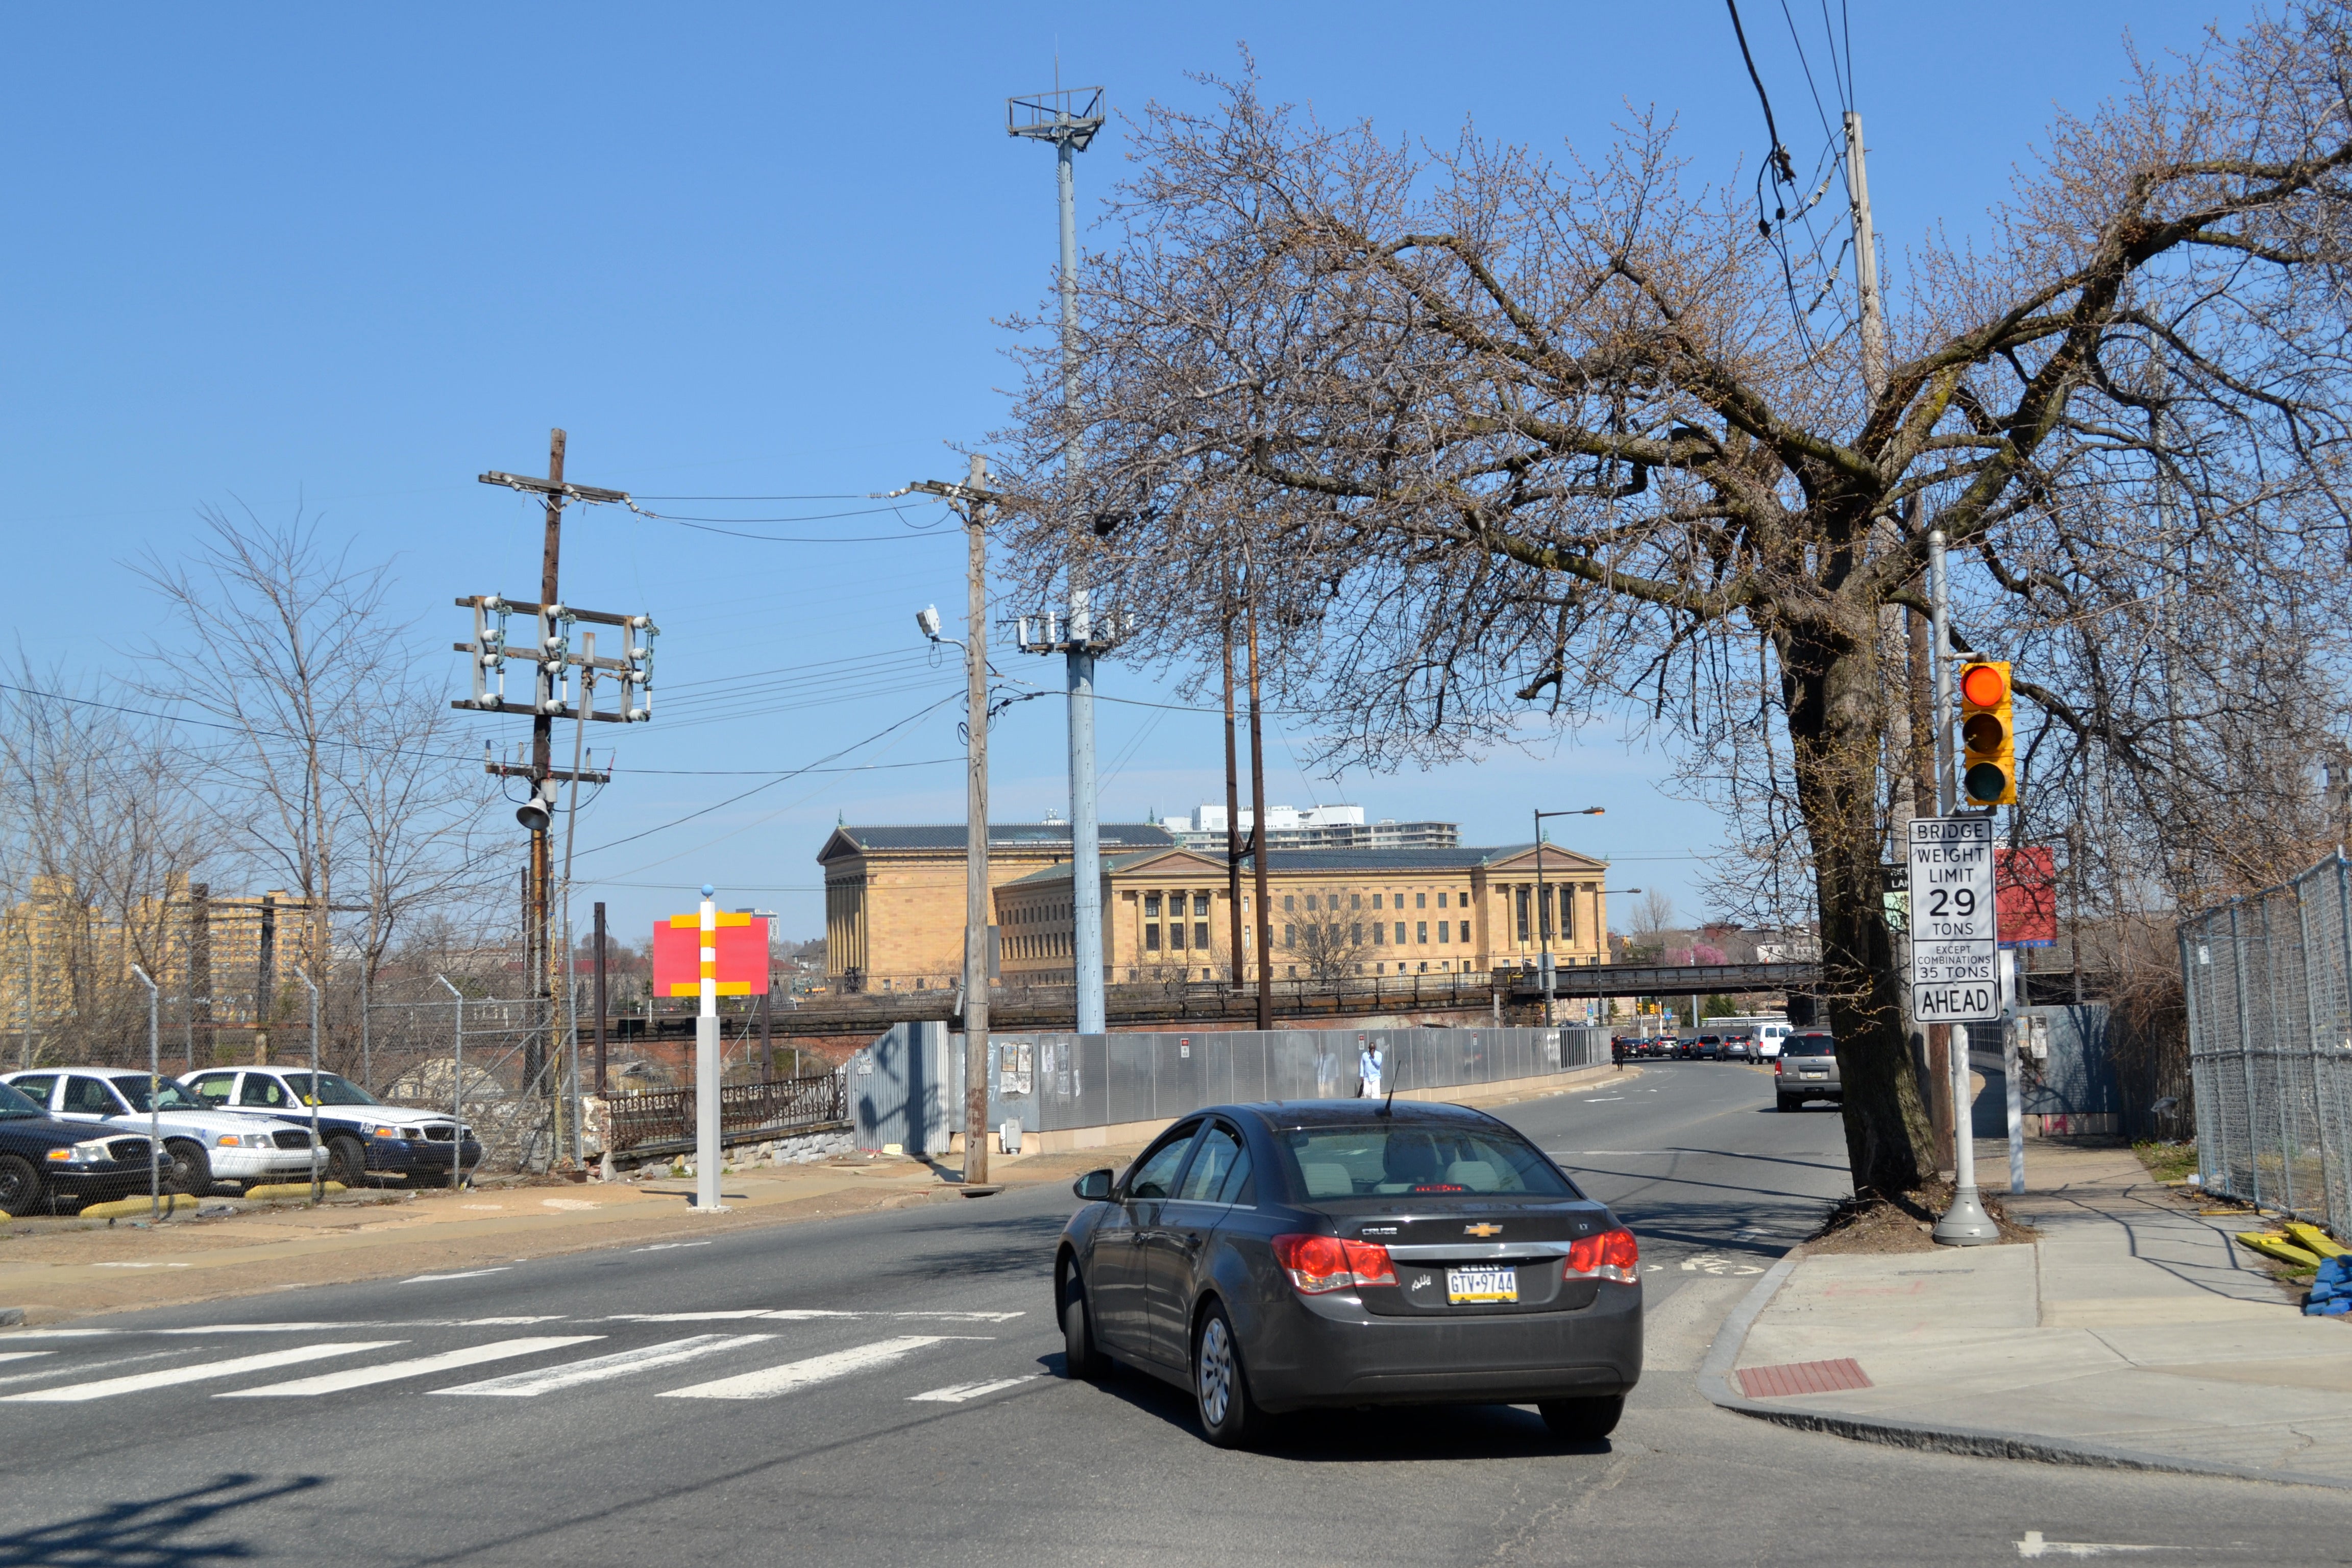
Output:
[[200, 1145], [362, 1134]]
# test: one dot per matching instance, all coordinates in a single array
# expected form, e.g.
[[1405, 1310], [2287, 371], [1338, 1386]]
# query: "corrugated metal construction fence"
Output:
[[906, 1086], [2270, 1044]]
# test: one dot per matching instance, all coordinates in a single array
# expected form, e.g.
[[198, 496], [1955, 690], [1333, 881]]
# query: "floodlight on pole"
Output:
[[1068, 118], [1543, 906]]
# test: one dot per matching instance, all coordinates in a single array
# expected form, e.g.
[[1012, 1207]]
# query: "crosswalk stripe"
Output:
[[23, 1355], [807, 1315], [467, 1274], [957, 1393], [417, 1366], [595, 1369], [74, 1393], [816, 1369]]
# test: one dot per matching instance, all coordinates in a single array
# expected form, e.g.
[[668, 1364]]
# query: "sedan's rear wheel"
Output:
[[20, 1185], [1582, 1420], [187, 1168], [1080, 1359], [1220, 1385]]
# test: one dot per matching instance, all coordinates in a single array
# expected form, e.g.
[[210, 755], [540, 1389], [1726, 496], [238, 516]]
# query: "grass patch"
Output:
[[2167, 1161]]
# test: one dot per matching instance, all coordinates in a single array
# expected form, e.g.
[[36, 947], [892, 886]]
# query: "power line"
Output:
[[780, 778]]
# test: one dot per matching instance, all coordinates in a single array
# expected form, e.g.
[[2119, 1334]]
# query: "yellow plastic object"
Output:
[[134, 1208], [2314, 1239], [2269, 1244], [291, 1190]]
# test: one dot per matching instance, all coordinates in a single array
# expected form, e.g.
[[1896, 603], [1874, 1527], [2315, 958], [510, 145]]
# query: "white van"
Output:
[[1764, 1031]]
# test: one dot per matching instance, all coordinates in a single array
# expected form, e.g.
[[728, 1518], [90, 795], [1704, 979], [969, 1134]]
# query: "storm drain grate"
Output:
[[1803, 1377]]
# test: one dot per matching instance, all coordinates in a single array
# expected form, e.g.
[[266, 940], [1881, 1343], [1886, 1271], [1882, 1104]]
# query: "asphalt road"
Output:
[[886, 1389]]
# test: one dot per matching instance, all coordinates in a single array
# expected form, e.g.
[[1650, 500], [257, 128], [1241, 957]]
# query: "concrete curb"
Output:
[[1715, 1383]]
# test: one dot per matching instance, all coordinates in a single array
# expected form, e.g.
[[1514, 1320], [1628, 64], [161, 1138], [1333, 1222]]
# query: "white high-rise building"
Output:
[[1317, 827]]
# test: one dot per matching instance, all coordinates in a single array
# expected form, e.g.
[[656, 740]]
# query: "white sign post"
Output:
[[706, 1066], [1956, 979]]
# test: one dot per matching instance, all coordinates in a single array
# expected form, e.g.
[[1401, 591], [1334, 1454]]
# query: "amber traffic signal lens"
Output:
[[1983, 685], [1983, 732]]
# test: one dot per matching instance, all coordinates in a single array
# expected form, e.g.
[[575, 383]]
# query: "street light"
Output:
[[1543, 905]]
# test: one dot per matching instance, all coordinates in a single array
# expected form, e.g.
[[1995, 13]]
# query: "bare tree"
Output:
[[337, 770], [1328, 949], [100, 836], [1650, 917], [1505, 437]]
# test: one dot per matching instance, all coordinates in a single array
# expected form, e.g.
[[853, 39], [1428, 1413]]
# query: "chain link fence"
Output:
[[2270, 1044]]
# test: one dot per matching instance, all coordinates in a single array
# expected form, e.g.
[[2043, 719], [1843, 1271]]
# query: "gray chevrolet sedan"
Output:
[[1274, 1258]]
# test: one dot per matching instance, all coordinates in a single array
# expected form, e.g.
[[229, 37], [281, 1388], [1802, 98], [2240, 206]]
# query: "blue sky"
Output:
[[352, 257]]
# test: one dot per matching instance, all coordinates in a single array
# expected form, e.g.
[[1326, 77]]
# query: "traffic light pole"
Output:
[[1965, 1224]]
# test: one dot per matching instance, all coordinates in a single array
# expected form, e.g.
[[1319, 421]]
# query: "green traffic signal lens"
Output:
[[1985, 782]]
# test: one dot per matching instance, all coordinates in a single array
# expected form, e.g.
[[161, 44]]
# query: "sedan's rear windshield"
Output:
[[1808, 1045], [1380, 1157], [13, 1103]]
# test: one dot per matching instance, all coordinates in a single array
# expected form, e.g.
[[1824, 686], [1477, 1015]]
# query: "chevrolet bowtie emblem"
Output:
[[1482, 1230]]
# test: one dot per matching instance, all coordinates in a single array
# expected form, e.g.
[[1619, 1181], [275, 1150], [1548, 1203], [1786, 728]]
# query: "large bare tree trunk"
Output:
[[1835, 688]]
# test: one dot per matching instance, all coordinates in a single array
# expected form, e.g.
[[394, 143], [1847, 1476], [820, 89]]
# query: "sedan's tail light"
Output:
[[1611, 1255], [1320, 1264]]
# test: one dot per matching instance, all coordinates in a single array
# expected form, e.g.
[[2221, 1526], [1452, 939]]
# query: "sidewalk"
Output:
[[2133, 1332]]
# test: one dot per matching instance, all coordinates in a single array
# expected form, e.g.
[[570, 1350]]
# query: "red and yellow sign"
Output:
[[737, 957]]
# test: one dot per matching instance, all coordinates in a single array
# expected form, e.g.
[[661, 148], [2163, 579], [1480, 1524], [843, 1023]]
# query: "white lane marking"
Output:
[[792, 1315], [667, 1246], [2032, 1545], [417, 1366], [82, 1368], [23, 1355], [793, 1375], [596, 1368], [807, 1315], [957, 1393], [386, 1323], [12, 1335], [468, 1274], [75, 1392]]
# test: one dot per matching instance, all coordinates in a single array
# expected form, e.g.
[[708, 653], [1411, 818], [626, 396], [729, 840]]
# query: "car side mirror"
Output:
[[1094, 1186]]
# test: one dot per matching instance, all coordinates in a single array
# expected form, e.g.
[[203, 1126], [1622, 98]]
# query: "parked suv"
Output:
[[201, 1145], [362, 1134], [1807, 1068]]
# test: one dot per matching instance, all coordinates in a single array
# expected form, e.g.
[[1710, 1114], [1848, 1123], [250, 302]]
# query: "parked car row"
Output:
[[1692, 1047], [246, 1125]]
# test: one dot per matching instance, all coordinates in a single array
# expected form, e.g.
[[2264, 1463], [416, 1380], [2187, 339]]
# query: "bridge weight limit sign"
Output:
[[1955, 959]]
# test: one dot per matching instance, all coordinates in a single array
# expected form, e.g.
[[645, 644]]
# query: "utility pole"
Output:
[[1257, 827], [975, 816], [1068, 119], [1894, 635], [265, 988], [600, 1000], [973, 498], [1866, 259], [1234, 974], [551, 656]]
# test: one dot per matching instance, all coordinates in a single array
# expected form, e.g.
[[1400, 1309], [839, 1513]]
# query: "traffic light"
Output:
[[1988, 734]]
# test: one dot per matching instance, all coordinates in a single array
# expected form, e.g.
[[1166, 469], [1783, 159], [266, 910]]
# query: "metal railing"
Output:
[[663, 1121], [2270, 1044]]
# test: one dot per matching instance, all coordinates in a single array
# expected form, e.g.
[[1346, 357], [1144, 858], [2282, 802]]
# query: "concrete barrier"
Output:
[[292, 1190]]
